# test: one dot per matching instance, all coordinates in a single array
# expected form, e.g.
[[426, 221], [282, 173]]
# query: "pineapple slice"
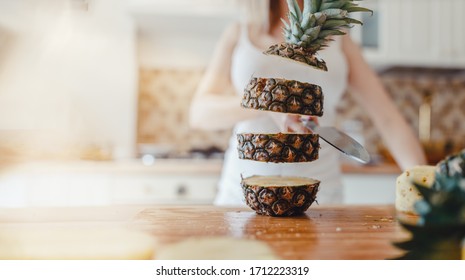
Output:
[[284, 96], [279, 196], [406, 193], [278, 148]]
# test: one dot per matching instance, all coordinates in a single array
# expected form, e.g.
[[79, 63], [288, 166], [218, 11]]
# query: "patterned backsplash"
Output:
[[164, 100], [409, 88], [165, 95]]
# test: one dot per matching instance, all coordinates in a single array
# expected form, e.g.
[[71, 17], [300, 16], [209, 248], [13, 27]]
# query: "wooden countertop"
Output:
[[161, 166], [371, 169], [325, 232], [134, 167], [339, 232]]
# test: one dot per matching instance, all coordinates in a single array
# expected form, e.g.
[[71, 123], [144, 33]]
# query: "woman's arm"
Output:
[[369, 92], [215, 104]]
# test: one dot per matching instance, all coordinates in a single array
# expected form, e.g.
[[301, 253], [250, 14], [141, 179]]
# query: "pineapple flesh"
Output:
[[406, 193], [278, 148], [310, 29], [279, 196], [284, 96]]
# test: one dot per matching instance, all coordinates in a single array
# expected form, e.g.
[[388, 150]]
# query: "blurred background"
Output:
[[94, 97]]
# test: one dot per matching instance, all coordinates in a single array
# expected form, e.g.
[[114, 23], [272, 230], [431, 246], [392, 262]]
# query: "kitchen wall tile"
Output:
[[407, 87], [164, 100]]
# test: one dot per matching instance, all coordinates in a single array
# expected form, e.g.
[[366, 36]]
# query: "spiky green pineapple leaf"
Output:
[[426, 193], [333, 4], [353, 21], [330, 15], [432, 242], [294, 9], [443, 203], [334, 23], [453, 164]]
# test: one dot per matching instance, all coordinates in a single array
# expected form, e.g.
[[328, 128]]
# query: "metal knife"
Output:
[[340, 141]]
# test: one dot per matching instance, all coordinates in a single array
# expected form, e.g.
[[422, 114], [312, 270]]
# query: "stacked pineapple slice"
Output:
[[308, 31], [284, 96], [441, 226]]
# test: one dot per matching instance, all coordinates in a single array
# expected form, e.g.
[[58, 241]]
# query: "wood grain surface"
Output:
[[324, 232]]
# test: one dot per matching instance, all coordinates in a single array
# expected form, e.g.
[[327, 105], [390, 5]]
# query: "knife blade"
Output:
[[339, 140]]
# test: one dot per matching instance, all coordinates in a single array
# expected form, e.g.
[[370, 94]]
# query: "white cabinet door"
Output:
[[365, 189], [415, 32], [448, 31], [215, 8], [411, 36], [161, 189]]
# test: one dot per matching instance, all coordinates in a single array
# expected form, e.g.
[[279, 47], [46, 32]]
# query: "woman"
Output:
[[238, 56]]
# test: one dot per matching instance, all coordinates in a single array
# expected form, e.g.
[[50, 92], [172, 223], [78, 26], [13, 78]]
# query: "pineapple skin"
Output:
[[297, 53], [278, 148], [284, 96], [280, 201]]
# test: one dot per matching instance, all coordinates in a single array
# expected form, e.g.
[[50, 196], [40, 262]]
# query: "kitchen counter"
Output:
[[373, 169], [165, 166], [167, 181], [325, 232], [133, 166]]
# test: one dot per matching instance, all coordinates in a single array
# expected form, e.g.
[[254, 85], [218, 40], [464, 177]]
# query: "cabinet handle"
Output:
[[181, 190]]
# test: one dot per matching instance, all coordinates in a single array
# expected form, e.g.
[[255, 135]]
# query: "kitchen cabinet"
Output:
[[163, 189], [369, 184], [87, 183], [368, 189], [413, 33], [216, 8], [165, 26]]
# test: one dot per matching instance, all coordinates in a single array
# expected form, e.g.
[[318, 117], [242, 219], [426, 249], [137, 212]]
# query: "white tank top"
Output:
[[247, 61]]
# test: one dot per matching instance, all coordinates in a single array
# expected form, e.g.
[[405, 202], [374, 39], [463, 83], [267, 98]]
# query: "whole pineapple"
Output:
[[441, 224], [310, 30]]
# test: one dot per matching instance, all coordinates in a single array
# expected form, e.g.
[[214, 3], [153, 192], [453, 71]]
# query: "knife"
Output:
[[339, 140]]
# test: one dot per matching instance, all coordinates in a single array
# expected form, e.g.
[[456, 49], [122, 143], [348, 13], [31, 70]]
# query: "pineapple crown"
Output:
[[453, 164], [311, 27], [444, 203]]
